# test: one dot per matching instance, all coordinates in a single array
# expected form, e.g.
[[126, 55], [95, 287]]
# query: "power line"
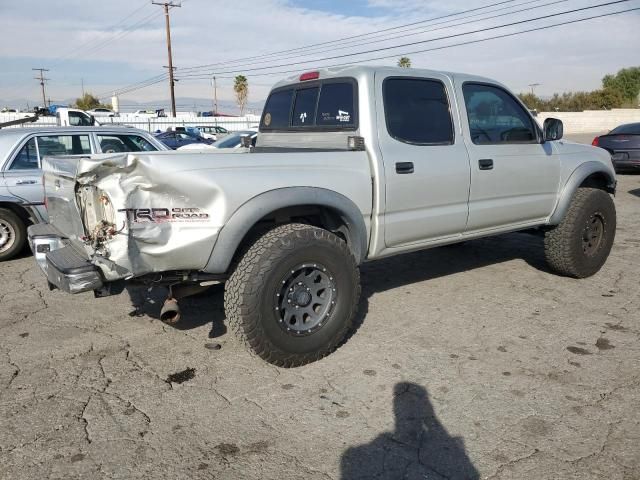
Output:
[[403, 35], [469, 42], [311, 46], [457, 14], [511, 34], [446, 37], [74, 52]]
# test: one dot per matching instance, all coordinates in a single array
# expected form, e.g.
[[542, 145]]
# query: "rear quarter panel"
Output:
[[191, 195]]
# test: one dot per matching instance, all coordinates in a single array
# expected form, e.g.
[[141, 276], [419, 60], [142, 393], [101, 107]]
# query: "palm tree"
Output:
[[241, 88], [404, 62]]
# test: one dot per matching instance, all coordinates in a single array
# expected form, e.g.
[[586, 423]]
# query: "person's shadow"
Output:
[[419, 447]]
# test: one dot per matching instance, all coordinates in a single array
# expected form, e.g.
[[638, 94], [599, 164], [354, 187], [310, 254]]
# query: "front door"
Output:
[[514, 176], [425, 160]]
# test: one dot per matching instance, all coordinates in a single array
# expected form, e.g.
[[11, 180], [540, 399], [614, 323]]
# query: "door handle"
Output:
[[26, 182], [404, 167], [485, 164]]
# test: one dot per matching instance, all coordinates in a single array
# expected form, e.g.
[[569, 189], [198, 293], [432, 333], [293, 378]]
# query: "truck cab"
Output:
[[73, 117]]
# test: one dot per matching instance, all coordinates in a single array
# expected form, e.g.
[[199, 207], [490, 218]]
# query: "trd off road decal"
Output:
[[163, 215]]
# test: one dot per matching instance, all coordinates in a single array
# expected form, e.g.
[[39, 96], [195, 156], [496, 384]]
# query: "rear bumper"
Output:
[[64, 266]]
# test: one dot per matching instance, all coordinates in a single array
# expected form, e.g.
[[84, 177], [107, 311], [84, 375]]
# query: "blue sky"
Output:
[[113, 44]]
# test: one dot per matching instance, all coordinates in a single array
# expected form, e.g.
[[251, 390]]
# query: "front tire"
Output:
[[13, 234], [579, 246], [293, 295]]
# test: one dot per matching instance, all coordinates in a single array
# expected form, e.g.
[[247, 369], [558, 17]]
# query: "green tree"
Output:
[[626, 82], [404, 62], [241, 89], [88, 102]]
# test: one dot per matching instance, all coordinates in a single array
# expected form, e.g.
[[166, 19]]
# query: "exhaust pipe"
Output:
[[170, 313]]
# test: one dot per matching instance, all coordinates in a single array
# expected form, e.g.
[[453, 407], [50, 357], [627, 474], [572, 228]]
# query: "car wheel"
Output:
[[293, 294], [580, 244], [13, 234]]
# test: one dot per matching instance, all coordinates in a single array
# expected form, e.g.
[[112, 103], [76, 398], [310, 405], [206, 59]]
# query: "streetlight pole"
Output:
[[534, 85]]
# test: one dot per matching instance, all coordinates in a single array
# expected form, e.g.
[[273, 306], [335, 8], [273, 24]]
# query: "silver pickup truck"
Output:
[[351, 165]]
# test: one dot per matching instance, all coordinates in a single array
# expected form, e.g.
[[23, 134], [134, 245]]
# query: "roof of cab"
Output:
[[362, 71], [18, 132]]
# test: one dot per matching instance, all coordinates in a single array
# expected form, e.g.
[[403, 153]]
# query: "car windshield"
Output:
[[629, 129], [233, 140]]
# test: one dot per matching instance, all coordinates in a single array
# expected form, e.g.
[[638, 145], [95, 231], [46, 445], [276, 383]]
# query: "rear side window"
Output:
[[27, 158], [417, 111], [124, 143], [329, 105], [64, 145], [277, 109]]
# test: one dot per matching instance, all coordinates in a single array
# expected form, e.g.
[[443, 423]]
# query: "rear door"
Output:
[[514, 176], [425, 160], [24, 174]]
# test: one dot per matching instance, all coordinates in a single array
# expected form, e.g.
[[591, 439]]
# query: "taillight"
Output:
[[596, 141]]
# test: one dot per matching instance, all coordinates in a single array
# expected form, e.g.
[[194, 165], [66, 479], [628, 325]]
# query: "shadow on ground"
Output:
[[377, 276], [635, 192], [418, 448]]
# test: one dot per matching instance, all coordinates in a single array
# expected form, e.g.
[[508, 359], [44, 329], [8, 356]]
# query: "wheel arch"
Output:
[[589, 174], [24, 213], [326, 208]]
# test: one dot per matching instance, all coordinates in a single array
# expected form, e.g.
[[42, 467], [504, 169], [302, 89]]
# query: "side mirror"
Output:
[[552, 129]]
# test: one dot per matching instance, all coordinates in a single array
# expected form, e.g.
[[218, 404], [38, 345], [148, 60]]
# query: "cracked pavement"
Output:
[[471, 361]]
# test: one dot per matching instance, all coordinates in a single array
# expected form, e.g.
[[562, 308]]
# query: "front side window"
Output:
[[417, 111], [27, 158], [495, 117], [124, 143], [64, 145], [79, 119]]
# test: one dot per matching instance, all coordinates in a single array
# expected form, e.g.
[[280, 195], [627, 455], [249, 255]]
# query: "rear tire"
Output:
[[579, 246], [293, 295], [13, 234]]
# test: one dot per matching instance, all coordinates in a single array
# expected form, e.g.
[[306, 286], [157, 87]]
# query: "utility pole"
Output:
[[166, 6], [82, 86], [42, 80], [534, 85], [214, 84]]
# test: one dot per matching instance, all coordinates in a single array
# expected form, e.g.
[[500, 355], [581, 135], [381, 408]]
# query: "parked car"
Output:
[[175, 140], [146, 113], [234, 140], [103, 112], [212, 132], [21, 153], [623, 143], [351, 165]]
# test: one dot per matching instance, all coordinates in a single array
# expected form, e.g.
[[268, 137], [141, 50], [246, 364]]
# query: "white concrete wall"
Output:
[[593, 121]]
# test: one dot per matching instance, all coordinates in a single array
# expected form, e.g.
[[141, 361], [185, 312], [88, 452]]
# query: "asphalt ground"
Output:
[[471, 361]]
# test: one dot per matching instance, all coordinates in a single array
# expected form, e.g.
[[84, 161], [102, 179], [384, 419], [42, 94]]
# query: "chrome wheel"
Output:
[[7, 236], [306, 299]]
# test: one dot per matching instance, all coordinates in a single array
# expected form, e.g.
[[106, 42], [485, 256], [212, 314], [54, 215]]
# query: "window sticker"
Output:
[[303, 117], [267, 119], [343, 116]]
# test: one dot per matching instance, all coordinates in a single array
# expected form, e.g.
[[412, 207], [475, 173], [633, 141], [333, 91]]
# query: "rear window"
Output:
[[324, 105], [305, 107]]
